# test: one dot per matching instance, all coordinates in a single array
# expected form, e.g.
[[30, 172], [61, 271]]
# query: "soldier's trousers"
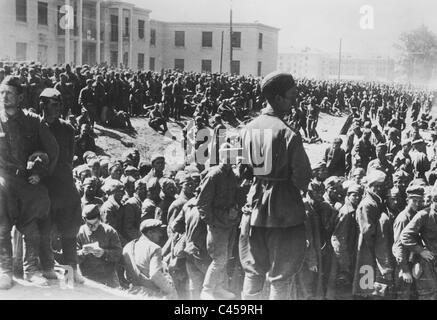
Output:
[[26, 206], [219, 245], [67, 222], [278, 252]]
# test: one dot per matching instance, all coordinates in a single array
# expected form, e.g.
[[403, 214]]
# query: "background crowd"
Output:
[[137, 225]]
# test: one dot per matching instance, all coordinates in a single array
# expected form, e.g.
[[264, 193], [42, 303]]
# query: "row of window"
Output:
[[207, 39]]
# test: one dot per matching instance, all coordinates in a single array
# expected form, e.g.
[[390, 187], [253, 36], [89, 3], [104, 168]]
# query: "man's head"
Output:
[[366, 134], [116, 189], [358, 175], [51, 104], [280, 91], [415, 197], [90, 187], [91, 216], [168, 187], [115, 170], [376, 182], [393, 198], [158, 163], [406, 146], [141, 189], [11, 95], [334, 188], [381, 151], [336, 144], [354, 194], [320, 172], [316, 190], [152, 229]]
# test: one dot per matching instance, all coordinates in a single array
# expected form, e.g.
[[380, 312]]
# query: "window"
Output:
[[43, 13], [152, 63], [235, 67], [259, 68], [21, 10], [114, 28], [152, 37], [207, 39], [141, 29], [140, 61], [206, 65], [260, 41], [114, 58], [236, 39], [126, 27], [179, 38], [179, 64], [21, 51]]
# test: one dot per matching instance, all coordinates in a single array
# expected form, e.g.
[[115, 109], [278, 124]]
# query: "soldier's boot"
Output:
[[5, 258], [251, 296], [222, 293], [78, 279], [279, 290], [5, 281], [36, 278], [50, 274]]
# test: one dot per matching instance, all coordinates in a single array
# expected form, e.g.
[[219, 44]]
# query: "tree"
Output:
[[418, 50]]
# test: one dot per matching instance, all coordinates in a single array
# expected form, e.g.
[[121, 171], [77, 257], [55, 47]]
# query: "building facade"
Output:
[[117, 32], [314, 64]]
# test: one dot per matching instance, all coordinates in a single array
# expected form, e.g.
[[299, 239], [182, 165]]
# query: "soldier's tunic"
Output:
[[402, 255], [101, 269], [419, 234], [278, 212], [344, 244], [21, 203]]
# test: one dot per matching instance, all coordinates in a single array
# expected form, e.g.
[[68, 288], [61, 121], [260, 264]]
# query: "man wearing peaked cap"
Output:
[[158, 166], [403, 269], [112, 209], [276, 192], [98, 262], [65, 212], [132, 212], [143, 261], [369, 213]]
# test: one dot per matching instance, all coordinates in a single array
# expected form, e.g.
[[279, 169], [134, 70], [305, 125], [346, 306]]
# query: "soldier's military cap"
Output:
[[51, 93], [130, 170], [149, 224], [332, 181], [82, 168], [418, 182], [91, 211], [156, 156], [415, 191], [376, 176], [354, 188], [89, 155], [113, 186], [280, 77]]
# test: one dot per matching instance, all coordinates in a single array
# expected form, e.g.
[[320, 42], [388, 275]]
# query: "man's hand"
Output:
[[34, 179], [98, 252], [427, 255], [406, 276]]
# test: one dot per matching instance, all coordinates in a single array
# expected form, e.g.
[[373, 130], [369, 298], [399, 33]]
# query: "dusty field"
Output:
[[148, 141]]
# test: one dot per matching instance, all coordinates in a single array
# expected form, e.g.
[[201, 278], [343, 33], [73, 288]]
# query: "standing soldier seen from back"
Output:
[[275, 244]]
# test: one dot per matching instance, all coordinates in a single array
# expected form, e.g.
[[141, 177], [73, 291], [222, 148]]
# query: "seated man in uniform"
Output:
[[98, 248], [157, 120], [143, 263]]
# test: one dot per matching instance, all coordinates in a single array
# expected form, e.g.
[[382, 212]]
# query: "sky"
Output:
[[317, 24]]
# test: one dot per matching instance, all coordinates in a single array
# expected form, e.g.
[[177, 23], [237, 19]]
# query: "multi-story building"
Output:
[[118, 32], [310, 63]]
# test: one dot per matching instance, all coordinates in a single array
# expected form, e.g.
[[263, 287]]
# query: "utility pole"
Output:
[[339, 61], [221, 53], [231, 49]]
